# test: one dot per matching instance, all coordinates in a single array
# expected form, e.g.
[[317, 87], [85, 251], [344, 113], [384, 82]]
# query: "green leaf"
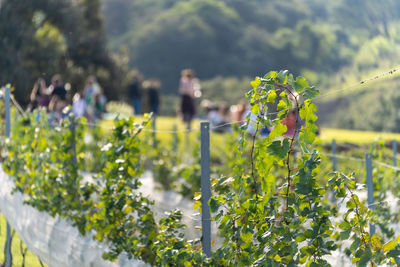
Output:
[[281, 105], [350, 204], [345, 234], [247, 238], [311, 92], [398, 239], [279, 148], [278, 130], [389, 246], [271, 75], [375, 242], [300, 84], [271, 96], [344, 225], [255, 83], [365, 257], [214, 205], [282, 76], [394, 253]]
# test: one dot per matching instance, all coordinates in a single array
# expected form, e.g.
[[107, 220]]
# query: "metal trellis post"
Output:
[[370, 187], [154, 131], [334, 164], [394, 145], [334, 160], [205, 188], [73, 143], [8, 130]]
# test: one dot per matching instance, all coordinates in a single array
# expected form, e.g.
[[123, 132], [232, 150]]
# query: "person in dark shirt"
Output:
[[58, 99], [153, 95], [58, 88], [135, 93]]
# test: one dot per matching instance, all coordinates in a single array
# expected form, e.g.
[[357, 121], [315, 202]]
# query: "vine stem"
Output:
[[358, 218], [292, 139], [359, 224], [252, 160]]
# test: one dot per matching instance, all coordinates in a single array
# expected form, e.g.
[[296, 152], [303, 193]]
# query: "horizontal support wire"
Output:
[[376, 77], [177, 131], [387, 165], [18, 106], [341, 156], [361, 160]]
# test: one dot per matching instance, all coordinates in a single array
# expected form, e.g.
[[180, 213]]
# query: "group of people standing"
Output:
[[89, 102], [145, 95], [52, 98], [221, 117], [140, 90]]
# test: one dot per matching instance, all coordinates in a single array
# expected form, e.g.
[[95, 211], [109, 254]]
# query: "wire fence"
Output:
[[362, 82], [216, 127]]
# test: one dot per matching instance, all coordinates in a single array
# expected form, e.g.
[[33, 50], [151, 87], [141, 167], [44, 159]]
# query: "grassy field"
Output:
[[356, 137], [166, 124], [30, 259]]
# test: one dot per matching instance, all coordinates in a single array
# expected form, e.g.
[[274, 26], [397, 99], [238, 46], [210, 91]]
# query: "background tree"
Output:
[[45, 37]]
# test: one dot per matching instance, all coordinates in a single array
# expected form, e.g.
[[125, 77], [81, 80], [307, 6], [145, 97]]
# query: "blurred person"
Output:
[[241, 111], [135, 94], [189, 88], [58, 99], [154, 95], [92, 88], [100, 102], [212, 113], [79, 105], [56, 108], [224, 112], [39, 95], [290, 122], [217, 115], [57, 88]]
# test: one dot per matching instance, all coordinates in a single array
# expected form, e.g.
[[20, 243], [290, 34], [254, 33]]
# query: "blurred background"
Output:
[[227, 43]]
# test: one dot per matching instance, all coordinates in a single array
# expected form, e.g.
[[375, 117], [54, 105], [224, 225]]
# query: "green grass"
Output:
[[165, 124], [356, 137], [30, 259]]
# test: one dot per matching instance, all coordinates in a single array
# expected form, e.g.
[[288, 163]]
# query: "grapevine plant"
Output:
[[45, 162], [270, 208], [271, 219]]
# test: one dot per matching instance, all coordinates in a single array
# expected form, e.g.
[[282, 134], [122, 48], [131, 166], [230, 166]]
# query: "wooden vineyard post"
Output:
[[370, 188], [205, 188]]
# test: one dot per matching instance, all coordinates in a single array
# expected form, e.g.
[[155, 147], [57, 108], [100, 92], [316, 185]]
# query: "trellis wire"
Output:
[[205, 153]]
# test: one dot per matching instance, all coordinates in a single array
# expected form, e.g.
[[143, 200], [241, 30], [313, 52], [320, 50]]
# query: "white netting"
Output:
[[53, 240]]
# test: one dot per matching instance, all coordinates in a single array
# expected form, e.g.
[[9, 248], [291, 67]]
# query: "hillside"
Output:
[[333, 44]]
